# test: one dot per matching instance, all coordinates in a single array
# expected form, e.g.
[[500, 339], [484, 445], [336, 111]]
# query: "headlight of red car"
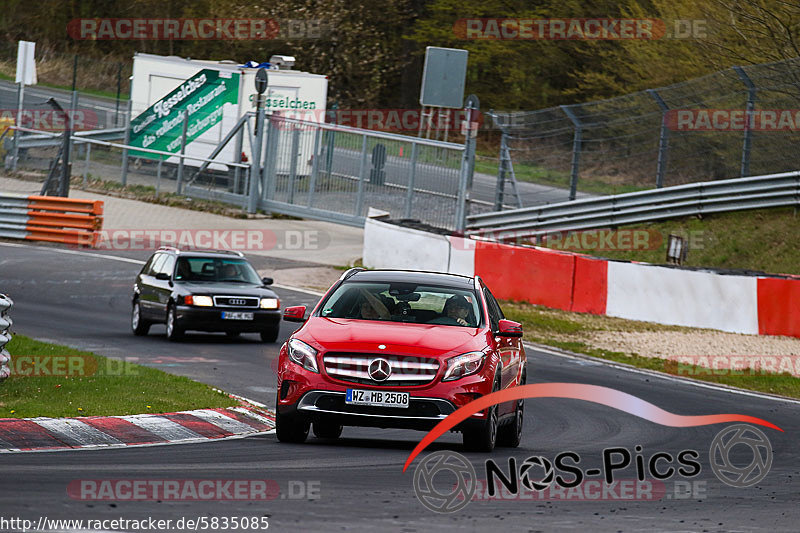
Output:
[[463, 365], [303, 354]]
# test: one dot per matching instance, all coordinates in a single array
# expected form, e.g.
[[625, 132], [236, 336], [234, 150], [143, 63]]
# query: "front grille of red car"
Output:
[[405, 370]]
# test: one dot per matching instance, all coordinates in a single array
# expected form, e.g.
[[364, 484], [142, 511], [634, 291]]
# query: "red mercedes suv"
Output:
[[400, 349]]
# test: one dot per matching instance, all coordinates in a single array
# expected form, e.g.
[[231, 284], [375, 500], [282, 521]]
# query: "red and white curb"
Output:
[[53, 434]]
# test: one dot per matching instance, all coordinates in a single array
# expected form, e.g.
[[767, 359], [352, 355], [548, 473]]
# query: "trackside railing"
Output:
[[774, 190]]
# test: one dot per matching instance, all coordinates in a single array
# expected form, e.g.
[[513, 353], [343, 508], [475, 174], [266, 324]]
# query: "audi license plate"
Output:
[[236, 315], [376, 398]]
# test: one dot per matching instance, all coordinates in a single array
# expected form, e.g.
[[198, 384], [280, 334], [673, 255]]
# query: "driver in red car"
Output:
[[457, 308]]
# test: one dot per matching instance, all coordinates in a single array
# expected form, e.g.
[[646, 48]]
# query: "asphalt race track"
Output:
[[83, 301]]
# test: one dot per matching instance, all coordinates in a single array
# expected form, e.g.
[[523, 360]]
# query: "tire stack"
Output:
[[5, 336]]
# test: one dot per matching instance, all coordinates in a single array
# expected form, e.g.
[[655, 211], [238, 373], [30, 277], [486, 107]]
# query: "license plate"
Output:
[[237, 315], [376, 398]]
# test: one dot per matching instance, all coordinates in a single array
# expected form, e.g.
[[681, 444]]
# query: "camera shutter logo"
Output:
[[544, 464], [452, 498], [739, 436]]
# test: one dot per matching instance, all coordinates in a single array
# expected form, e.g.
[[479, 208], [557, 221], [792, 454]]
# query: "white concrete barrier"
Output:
[[392, 246], [682, 297]]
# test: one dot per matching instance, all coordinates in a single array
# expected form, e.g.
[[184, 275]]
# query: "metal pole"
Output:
[[119, 91], [237, 172], [181, 163], [255, 164], [88, 161], [412, 176], [17, 133], [576, 152], [74, 72], [663, 138], [748, 132], [312, 183], [501, 174], [66, 168], [158, 177], [361, 176], [331, 137], [127, 141], [465, 175], [293, 164]]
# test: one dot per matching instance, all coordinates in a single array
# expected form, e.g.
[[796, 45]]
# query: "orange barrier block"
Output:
[[64, 220], [72, 205]]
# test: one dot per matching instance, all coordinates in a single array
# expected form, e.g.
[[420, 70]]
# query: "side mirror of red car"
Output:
[[295, 314], [509, 328]]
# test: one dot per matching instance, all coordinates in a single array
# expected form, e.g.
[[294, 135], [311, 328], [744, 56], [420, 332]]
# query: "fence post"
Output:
[[663, 138], [127, 141], [312, 182], [18, 123], [499, 191], [255, 165], [181, 163], [576, 151], [362, 171], [412, 176], [5, 336], [748, 135], [88, 162], [275, 126], [467, 167], [293, 164]]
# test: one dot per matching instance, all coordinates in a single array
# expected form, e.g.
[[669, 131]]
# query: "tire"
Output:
[[290, 428], [510, 435], [484, 437], [139, 326], [327, 430], [271, 334], [174, 330]]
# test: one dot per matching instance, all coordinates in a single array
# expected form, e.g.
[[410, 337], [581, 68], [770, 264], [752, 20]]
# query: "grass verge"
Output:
[[93, 385], [572, 332]]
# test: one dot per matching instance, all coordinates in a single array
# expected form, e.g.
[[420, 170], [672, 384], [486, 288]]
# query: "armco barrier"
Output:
[[575, 282], [51, 218], [5, 336]]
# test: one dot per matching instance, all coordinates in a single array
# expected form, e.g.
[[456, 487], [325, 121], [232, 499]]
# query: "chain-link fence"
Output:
[[743, 121], [308, 169]]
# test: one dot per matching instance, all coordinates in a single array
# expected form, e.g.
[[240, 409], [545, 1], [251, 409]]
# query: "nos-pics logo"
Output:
[[445, 481]]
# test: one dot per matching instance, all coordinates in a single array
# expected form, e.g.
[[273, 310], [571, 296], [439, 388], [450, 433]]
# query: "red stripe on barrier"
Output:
[[123, 431], [590, 288], [28, 435], [534, 275], [198, 425], [779, 307]]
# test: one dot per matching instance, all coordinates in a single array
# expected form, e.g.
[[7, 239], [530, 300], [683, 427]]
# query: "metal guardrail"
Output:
[[41, 140], [774, 190], [5, 336]]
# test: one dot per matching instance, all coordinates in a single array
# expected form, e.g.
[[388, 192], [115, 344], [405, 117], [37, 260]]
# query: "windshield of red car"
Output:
[[403, 302]]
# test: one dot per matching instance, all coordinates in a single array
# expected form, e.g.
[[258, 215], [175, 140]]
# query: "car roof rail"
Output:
[[207, 250], [350, 272], [169, 249]]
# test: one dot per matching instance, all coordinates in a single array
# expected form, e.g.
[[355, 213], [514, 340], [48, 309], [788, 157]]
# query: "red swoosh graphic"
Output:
[[577, 391]]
